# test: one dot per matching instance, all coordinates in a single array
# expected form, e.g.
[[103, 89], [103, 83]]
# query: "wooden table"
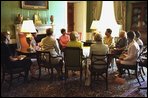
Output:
[[31, 54]]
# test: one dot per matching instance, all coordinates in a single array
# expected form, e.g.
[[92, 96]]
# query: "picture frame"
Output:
[[35, 5]]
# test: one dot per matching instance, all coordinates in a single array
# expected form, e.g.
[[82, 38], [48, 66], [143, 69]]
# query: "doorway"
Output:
[[70, 14]]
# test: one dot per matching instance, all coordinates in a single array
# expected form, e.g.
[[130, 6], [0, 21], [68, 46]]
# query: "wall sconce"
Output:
[[28, 28]]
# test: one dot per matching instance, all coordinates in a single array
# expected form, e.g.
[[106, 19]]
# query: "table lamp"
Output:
[[94, 27], [28, 28]]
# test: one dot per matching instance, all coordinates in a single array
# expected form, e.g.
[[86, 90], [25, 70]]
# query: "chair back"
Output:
[[43, 58], [142, 59], [73, 57], [143, 51], [60, 46], [99, 61], [73, 61]]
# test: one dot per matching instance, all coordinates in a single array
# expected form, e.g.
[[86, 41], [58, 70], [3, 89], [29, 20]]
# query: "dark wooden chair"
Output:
[[14, 73], [44, 60], [136, 66], [99, 67], [73, 61], [60, 46], [142, 55], [143, 62]]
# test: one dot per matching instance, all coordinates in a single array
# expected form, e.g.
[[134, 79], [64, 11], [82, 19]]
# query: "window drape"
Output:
[[96, 9], [120, 12]]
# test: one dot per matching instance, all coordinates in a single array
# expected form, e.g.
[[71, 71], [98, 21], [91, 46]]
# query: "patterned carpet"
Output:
[[45, 88]]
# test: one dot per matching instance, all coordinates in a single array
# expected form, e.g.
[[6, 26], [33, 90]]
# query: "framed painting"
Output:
[[34, 5]]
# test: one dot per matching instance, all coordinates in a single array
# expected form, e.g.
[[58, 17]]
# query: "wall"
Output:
[[59, 10], [10, 9]]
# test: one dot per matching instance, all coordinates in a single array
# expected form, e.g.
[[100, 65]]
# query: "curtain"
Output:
[[120, 12], [96, 9]]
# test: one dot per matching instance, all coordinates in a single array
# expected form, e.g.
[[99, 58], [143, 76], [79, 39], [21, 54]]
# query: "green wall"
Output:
[[10, 9]]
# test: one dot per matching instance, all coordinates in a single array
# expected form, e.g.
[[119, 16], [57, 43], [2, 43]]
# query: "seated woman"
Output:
[[108, 39], [11, 61], [99, 48], [64, 39], [121, 44], [49, 44], [130, 58], [74, 40]]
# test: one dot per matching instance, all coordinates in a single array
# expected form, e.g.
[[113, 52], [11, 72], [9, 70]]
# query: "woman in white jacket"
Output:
[[129, 58]]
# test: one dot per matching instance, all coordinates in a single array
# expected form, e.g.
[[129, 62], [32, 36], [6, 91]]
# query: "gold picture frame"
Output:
[[34, 5]]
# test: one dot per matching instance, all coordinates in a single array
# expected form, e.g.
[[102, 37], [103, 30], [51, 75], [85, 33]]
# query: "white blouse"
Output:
[[132, 54]]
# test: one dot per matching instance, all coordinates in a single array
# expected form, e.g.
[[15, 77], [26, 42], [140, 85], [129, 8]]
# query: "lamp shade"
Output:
[[28, 26], [94, 24]]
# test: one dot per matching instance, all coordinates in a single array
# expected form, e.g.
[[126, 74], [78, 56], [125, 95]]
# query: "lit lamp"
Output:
[[94, 27], [28, 28]]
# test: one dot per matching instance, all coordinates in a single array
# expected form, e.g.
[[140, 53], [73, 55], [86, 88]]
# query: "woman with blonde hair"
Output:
[[99, 46], [74, 40]]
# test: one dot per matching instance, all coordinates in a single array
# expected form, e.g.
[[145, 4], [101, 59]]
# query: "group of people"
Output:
[[48, 43], [126, 41], [127, 47]]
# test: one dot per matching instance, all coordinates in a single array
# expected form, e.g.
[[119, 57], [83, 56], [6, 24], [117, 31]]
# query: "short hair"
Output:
[[73, 35], [63, 30], [109, 31], [123, 33], [49, 31], [131, 35], [138, 34], [98, 37]]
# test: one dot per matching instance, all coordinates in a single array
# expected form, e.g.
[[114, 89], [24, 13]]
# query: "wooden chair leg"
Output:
[[142, 77], [137, 77], [143, 70], [91, 81], [3, 76], [51, 74], [81, 74], [39, 72], [143, 88], [66, 76], [106, 82], [128, 72], [10, 82]]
